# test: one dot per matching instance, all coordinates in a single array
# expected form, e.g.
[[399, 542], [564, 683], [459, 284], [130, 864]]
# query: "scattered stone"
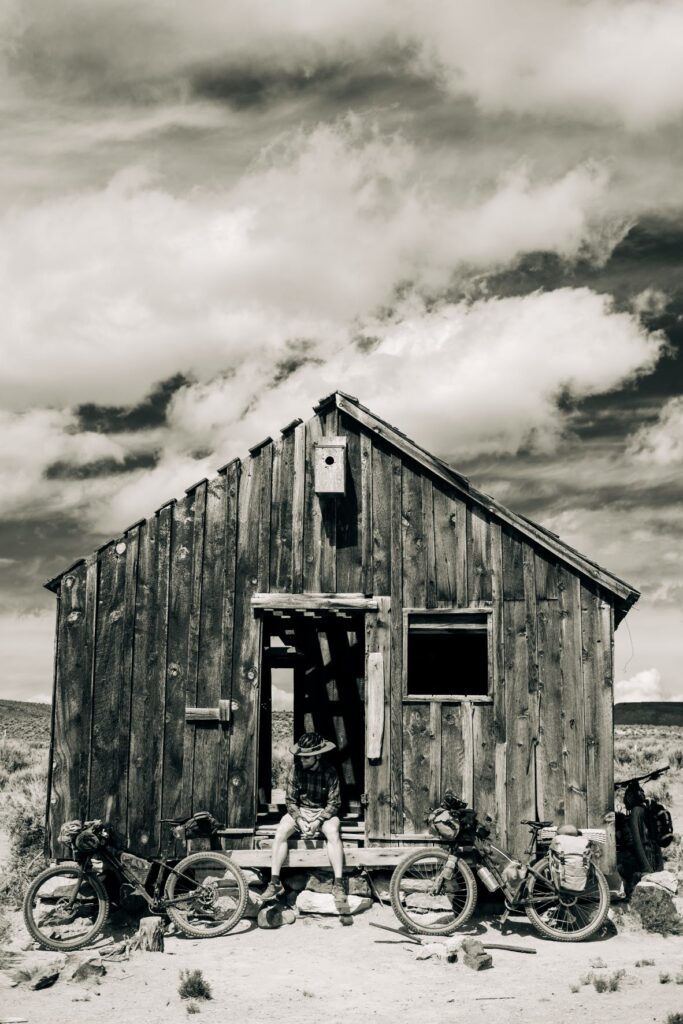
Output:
[[654, 904], [270, 916], [319, 882], [475, 956], [36, 977], [308, 902], [83, 967], [446, 951], [598, 962], [664, 879]]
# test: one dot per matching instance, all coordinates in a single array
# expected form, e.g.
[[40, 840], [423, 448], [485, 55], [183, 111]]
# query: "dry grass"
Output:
[[193, 985], [23, 778]]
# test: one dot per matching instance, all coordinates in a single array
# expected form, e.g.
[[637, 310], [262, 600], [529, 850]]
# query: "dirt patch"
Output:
[[317, 969]]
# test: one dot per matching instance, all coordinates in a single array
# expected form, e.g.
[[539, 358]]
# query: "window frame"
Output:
[[453, 620]]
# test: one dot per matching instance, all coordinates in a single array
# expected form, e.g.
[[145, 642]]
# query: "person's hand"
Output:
[[302, 826]]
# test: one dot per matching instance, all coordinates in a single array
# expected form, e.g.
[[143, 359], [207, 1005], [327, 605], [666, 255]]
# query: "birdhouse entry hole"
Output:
[[329, 461]]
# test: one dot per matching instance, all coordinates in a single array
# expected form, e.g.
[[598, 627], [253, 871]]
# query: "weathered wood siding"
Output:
[[161, 620]]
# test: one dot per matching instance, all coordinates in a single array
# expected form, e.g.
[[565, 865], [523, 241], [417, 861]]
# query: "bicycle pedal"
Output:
[[503, 917]]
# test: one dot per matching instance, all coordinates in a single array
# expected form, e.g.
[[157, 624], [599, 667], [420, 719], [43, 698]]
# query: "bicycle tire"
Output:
[[413, 876], [567, 909], [35, 928], [646, 851], [206, 907]]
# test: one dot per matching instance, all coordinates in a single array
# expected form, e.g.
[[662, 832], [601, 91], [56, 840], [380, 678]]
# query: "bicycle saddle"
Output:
[[536, 824]]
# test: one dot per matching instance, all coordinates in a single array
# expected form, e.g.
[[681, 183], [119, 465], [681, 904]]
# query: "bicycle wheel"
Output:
[[646, 851], [566, 916], [211, 892], [63, 909], [426, 903]]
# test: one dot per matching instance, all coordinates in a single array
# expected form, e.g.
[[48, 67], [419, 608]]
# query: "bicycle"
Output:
[[67, 905], [644, 828], [434, 892]]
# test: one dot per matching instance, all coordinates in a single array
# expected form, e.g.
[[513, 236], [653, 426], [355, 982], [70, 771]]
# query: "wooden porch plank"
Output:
[[359, 856]]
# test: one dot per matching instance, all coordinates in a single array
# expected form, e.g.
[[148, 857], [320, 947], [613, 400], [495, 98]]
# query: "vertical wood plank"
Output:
[[313, 514], [484, 782], [416, 765], [606, 609], [468, 754], [550, 760], [349, 517], [232, 485], [378, 774], [397, 812], [497, 634], [328, 521], [246, 659], [282, 518], [414, 575], [366, 523], [146, 756], [429, 542], [597, 690], [298, 508], [112, 687], [478, 556], [573, 710], [521, 799], [534, 699], [207, 782], [72, 707], [382, 477], [452, 749], [435, 744], [450, 537], [180, 597], [193, 622]]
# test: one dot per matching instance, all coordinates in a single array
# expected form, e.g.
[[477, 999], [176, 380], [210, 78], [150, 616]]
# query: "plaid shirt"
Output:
[[316, 789]]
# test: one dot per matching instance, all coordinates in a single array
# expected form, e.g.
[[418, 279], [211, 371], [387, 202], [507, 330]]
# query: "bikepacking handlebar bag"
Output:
[[570, 859]]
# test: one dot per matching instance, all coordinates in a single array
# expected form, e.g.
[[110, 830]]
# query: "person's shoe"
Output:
[[341, 903], [272, 892]]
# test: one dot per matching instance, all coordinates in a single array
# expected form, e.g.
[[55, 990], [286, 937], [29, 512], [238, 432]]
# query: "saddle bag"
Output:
[[570, 859]]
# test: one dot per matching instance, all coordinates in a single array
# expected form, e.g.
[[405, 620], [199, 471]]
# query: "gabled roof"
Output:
[[626, 595]]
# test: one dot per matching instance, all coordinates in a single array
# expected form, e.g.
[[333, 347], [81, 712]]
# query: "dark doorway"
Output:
[[313, 680]]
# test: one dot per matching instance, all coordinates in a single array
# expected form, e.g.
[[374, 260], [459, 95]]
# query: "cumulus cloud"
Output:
[[109, 291], [661, 443], [645, 685], [602, 60], [27, 644]]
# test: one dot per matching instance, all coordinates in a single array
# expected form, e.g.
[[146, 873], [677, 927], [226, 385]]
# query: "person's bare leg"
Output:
[[335, 850], [285, 829]]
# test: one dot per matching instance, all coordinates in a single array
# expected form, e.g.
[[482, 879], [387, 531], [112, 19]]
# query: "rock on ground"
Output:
[[308, 902]]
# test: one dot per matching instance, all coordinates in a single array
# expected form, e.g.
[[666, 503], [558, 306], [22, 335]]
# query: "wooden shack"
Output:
[[441, 640]]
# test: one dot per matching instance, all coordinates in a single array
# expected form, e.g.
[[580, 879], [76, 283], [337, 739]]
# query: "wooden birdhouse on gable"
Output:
[[330, 465]]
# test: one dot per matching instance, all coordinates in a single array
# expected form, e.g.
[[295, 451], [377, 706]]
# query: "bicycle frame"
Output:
[[156, 903]]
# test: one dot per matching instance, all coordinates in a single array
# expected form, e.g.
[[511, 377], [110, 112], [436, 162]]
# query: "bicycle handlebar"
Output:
[[656, 773]]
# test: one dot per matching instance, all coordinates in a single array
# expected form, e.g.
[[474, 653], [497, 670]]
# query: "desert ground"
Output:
[[317, 969]]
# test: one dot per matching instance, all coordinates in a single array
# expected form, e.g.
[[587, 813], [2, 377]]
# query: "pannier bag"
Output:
[[570, 858], [664, 825]]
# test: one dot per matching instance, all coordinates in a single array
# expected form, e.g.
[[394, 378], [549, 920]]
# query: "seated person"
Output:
[[313, 801]]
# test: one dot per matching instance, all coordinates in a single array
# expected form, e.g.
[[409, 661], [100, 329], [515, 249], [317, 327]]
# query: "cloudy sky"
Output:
[[466, 214]]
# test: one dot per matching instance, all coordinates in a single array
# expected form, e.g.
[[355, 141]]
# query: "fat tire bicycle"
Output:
[[434, 891], [67, 905]]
